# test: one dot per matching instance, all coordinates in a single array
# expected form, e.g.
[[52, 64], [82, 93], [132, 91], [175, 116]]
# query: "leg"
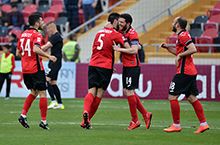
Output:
[[50, 90], [2, 79], [96, 102], [70, 17], [199, 112], [27, 104], [57, 94], [43, 109], [75, 16], [133, 109], [86, 16], [175, 110], [8, 88]]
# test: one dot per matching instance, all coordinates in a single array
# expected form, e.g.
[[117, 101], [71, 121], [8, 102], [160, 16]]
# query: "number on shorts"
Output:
[[172, 86], [128, 81]]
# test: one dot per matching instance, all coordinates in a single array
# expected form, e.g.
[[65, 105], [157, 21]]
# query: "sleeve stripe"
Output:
[[188, 42]]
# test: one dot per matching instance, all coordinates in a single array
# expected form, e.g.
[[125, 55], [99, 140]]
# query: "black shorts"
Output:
[[99, 77], [36, 81], [130, 77], [183, 84], [52, 70]]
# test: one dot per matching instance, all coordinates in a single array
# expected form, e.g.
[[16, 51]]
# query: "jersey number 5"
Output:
[[25, 47], [101, 41]]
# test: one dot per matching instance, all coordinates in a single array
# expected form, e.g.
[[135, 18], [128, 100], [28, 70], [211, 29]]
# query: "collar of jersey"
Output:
[[181, 32]]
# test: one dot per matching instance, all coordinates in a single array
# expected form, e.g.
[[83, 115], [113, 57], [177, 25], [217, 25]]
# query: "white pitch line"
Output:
[[101, 124]]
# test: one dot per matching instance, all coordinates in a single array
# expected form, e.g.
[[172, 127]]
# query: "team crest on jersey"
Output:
[[38, 39]]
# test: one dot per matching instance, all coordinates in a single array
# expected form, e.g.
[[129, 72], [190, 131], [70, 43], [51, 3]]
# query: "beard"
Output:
[[117, 27], [124, 28], [174, 29], [40, 27]]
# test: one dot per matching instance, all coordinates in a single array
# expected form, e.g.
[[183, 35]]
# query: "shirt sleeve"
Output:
[[38, 40], [134, 39], [120, 39], [186, 39], [54, 39]]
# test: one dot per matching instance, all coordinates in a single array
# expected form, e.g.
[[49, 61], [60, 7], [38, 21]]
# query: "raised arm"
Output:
[[46, 46]]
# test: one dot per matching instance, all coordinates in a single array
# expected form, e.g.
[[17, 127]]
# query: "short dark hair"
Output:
[[183, 22], [33, 18], [127, 17], [8, 46], [72, 36], [112, 17]]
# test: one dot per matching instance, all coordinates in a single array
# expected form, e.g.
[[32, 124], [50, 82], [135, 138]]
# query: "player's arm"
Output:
[[170, 49], [190, 50], [133, 49], [46, 46], [18, 53], [77, 50], [37, 50]]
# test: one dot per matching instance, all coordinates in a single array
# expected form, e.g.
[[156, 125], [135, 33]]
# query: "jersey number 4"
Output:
[[25, 47], [101, 41]]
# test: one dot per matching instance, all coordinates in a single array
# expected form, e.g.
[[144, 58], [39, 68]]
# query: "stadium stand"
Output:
[[6, 8]]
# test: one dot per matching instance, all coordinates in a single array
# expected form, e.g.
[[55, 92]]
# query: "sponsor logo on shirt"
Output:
[[38, 39]]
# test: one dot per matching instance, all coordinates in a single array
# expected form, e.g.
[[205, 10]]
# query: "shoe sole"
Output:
[[151, 115], [23, 124], [171, 131], [86, 122], [132, 128], [203, 130]]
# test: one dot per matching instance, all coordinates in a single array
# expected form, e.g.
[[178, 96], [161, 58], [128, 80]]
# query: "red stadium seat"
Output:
[[215, 18], [51, 14], [55, 2], [210, 32], [31, 8], [213, 12], [48, 19], [204, 40], [210, 25], [6, 8], [56, 8], [17, 32]]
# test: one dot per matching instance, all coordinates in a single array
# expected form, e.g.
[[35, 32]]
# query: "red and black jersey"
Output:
[[130, 60], [186, 65], [102, 50], [31, 62]]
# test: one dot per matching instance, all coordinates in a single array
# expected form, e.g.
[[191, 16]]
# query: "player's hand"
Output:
[[177, 60], [115, 47], [108, 25], [163, 45], [53, 58], [94, 4]]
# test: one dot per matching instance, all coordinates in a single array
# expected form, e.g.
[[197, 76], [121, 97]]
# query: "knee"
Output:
[[171, 97], [192, 98]]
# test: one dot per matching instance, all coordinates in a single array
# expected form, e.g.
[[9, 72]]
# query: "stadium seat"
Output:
[[201, 19], [50, 14], [62, 25], [210, 32], [55, 2], [204, 40], [213, 12], [3, 33], [43, 8], [17, 32], [195, 26], [215, 18], [6, 8], [56, 8], [195, 33], [48, 19], [210, 25], [30, 8]]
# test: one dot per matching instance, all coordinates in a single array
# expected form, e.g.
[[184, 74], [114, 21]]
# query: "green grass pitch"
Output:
[[108, 124]]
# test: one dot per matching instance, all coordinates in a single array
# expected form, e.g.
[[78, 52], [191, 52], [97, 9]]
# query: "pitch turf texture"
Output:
[[108, 124]]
